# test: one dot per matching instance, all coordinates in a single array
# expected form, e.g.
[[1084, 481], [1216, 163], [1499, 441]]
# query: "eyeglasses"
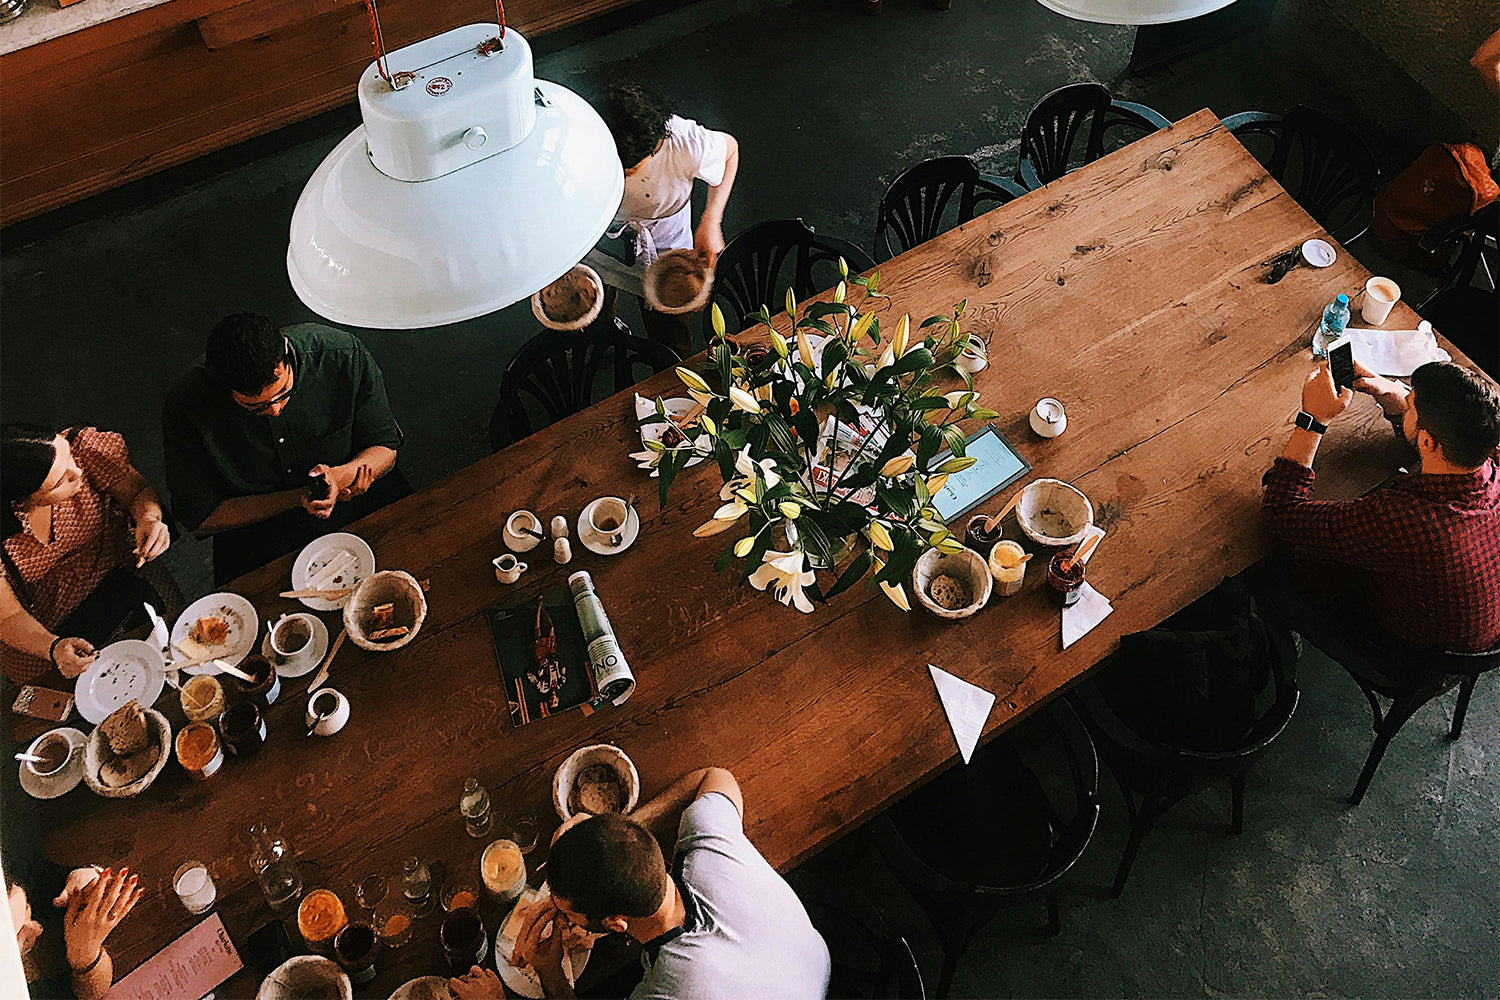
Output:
[[260, 409]]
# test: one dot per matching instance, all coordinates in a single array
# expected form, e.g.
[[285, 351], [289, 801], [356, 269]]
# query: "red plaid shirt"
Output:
[[1423, 549]]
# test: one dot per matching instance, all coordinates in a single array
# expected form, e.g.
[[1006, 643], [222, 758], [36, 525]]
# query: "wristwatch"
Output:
[[1308, 422]]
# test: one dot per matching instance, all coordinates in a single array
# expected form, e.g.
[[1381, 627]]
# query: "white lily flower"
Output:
[[900, 465], [731, 511], [691, 379], [746, 466], [903, 330], [880, 537], [804, 347], [700, 397], [743, 400], [783, 573], [897, 594], [713, 527], [957, 398]]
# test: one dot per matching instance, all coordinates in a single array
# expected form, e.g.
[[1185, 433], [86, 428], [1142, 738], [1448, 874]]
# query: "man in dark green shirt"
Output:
[[275, 437]]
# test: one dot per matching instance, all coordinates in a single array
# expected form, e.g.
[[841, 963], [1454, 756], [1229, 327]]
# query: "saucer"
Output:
[[63, 781], [319, 650], [597, 544]]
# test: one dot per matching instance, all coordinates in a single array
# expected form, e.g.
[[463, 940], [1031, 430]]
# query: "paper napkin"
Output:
[[160, 636], [966, 706], [1091, 608]]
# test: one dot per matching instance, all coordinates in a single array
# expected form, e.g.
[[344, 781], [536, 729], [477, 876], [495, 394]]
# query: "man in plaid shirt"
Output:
[[1421, 553]]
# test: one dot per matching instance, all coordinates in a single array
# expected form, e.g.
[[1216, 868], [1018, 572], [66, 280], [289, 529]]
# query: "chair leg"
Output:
[[945, 977], [1237, 823], [1054, 915], [1150, 810], [1465, 691], [1394, 720]]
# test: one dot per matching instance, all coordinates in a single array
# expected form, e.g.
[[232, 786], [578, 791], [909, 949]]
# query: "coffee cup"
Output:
[[522, 531], [327, 712], [292, 639], [1381, 296], [1048, 418], [973, 357], [607, 519], [55, 751], [508, 568]]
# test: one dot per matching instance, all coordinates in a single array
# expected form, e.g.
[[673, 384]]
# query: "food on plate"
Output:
[[597, 789], [118, 772], [389, 633], [672, 437], [210, 631], [125, 729], [949, 592]]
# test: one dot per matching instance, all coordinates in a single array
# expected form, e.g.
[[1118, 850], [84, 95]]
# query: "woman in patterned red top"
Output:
[[76, 515]]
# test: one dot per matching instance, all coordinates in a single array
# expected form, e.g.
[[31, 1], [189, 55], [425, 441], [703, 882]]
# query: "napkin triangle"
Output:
[[966, 706], [1078, 620]]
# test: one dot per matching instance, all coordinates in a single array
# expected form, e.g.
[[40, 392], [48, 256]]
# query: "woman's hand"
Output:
[[73, 656], [93, 912], [151, 536], [79, 879], [479, 984]]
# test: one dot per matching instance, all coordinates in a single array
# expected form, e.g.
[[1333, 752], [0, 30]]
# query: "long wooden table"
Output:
[[1130, 289]]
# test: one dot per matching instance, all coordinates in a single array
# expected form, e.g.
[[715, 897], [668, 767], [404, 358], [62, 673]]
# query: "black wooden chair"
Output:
[[1333, 175], [986, 836], [869, 959], [761, 263], [1465, 312], [933, 197], [1050, 144], [557, 373]]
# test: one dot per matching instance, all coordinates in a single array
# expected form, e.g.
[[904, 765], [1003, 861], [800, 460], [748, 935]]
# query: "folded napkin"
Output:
[[966, 706], [1090, 609], [161, 636], [1395, 352]]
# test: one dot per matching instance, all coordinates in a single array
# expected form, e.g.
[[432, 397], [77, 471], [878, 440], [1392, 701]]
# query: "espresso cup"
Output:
[[327, 712], [508, 568], [519, 528], [55, 749], [607, 519], [292, 639], [1381, 296], [1048, 419]]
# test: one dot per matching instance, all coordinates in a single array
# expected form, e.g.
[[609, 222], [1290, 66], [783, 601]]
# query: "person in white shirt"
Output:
[[663, 155]]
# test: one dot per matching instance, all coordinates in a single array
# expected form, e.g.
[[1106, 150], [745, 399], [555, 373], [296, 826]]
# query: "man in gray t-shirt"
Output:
[[722, 924]]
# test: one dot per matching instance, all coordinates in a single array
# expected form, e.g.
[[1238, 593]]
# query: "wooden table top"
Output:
[[1129, 289]]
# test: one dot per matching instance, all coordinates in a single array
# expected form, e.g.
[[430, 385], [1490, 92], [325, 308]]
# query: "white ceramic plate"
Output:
[[315, 656], [654, 432], [319, 553], [423, 988], [244, 626], [597, 544], [131, 668], [63, 781], [524, 982]]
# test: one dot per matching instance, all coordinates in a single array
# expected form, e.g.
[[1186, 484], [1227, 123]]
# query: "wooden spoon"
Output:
[[991, 522]]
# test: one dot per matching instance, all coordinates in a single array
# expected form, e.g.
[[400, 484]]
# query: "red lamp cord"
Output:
[[379, 38]]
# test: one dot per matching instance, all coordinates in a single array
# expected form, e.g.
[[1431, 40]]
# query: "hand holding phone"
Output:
[[1341, 364]]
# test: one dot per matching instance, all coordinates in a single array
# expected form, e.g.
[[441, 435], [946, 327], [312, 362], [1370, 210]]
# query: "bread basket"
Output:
[[677, 282], [159, 732], [578, 274], [967, 567], [1053, 513], [303, 976], [389, 586], [598, 753]]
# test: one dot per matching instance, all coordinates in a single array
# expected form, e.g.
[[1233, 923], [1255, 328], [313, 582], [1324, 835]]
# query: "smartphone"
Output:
[[1341, 363], [267, 948], [44, 703]]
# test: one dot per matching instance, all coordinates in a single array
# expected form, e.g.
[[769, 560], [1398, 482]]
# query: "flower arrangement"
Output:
[[831, 443]]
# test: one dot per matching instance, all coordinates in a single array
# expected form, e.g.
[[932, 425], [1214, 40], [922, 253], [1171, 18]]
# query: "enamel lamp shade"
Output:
[[469, 186], [1134, 11]]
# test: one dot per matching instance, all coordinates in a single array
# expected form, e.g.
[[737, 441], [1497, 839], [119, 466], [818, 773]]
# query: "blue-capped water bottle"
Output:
[[1331, 326]]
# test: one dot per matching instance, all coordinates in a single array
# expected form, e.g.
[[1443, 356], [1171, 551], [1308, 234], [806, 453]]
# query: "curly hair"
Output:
[[1460, 410], [244, 351], [637, 118]]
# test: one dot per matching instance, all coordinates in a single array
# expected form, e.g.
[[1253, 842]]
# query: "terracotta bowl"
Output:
[[678, 282], [967, 567], [389, 586], [571, 302], [599, 753], [306, 976], [94, 753], [1053, 513]]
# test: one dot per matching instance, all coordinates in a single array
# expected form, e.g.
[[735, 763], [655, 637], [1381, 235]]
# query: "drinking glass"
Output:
[[459, 894], [195, 887], [524, 833], [393, 921], [275, 868], [369, 891]]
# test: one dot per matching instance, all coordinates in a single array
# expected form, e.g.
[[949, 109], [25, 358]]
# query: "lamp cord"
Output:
[[379, 37]]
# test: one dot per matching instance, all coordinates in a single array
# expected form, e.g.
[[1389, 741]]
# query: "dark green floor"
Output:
[[101, 306]]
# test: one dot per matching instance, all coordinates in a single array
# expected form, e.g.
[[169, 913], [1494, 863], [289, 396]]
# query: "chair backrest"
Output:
[[558, 373], [869, 960], [1050, 137], [933, 197], [1321, 162], [761, 263], [1472, 246]]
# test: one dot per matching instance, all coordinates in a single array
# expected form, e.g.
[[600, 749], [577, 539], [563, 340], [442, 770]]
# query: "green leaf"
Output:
[[851, 574], [913, 360], [955, 438], [655, 446], [932, 321]]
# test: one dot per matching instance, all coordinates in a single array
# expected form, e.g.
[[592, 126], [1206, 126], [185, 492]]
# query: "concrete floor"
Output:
[[102, 305]]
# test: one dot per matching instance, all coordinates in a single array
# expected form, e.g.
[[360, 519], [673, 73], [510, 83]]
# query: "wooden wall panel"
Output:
[[121, 100]]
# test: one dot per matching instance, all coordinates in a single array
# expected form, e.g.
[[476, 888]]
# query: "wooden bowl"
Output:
[[678, 281], [571, 302], [967, 567], [389, 586], [1053, 513], [94, 755], [598, 753], [306, 976]]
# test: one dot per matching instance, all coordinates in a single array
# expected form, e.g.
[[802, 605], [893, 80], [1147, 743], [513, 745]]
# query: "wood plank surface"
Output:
[[1129, 289]]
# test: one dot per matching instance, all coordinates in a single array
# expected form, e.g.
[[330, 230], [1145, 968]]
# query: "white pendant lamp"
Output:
[[470, 186], [1134, 11]]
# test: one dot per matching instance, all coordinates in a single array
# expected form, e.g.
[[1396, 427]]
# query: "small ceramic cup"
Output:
[[562, 551], [1048, 418], [292, 639], [607, 520], [518, 531], [327, 712], [972, 358], [56, 751], [508, 568]]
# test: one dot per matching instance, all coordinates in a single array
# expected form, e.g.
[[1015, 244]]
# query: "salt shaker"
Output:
[[562, 551], [559, 529]]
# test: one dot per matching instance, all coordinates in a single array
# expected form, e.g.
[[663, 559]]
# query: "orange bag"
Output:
[[1446, 181]]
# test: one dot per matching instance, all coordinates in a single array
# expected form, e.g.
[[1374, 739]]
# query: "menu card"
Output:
[[186, 969]]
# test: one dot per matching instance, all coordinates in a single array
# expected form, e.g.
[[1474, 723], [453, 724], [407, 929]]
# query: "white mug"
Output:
[[1048, 419], [607, 519], [517, 527], [508, 568], [562, 551], [327, 711], [1381, 296], [285, 654], [972, 358]]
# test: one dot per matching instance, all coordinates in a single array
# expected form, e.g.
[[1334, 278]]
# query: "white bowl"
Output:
[[968, 567], [389, 586], [305, 976], [160, 732], [598, 753], [1053, 513]]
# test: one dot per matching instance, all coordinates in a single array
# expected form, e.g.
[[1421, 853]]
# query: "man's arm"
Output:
[[237, 512], [661, 814], [709, 236]]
